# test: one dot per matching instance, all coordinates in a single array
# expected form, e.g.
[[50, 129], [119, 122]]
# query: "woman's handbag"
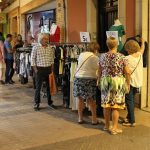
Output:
[[52, 84], [137, 90]]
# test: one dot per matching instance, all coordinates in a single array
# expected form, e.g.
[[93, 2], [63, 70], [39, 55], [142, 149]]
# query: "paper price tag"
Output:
[[85, 37]]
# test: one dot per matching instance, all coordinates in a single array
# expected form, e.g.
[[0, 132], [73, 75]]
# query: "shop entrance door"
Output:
[[107, 12]]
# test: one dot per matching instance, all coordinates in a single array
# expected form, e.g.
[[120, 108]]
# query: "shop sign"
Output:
[[2, 18], [85, 37], [112, 34]]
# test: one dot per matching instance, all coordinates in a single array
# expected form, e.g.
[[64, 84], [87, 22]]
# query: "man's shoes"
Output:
[[52, 106], [9, 82], [12, 81], [36, 107]]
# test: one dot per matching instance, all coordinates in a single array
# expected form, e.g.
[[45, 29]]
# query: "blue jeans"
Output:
[[9, 70], [130, 102]]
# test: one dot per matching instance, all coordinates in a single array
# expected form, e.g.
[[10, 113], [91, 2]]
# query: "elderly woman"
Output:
[[42, 60], [112, 71], [135, 63], [85, 81]]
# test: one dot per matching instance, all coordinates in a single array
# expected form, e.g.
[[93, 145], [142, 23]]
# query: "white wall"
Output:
[[144, 93]]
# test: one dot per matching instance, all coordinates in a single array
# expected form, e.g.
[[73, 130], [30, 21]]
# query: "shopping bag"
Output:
[[52, 84]]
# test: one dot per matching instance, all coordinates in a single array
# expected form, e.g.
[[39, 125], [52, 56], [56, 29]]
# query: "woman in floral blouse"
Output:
[[113, 72]]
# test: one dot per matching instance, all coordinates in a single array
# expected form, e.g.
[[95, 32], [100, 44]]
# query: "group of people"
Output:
[[118, 76], [8, 47]]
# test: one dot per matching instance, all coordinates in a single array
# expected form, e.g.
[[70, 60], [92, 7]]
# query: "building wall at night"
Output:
[[75, 16]]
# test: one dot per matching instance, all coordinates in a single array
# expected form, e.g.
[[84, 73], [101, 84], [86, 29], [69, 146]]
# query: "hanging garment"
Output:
[[73, 100], [54, 33], [121, 32], [23, 70], [17, 61], [61, 61], [66, 85]]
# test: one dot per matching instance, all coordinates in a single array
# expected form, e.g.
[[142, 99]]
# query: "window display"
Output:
[[39, 22]]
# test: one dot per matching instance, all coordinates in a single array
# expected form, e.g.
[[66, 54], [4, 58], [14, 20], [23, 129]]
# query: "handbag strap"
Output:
[[136, 65], [82, 64]]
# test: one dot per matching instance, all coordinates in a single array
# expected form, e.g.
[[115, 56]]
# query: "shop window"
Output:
[[39, 22], [106, 14]]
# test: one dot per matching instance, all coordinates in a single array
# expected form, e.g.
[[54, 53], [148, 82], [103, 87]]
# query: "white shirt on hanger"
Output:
[[53, 29]]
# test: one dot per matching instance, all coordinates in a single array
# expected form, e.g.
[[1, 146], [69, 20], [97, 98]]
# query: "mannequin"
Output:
[[120, 28], [54, 33], [44, 25], [30, 25]]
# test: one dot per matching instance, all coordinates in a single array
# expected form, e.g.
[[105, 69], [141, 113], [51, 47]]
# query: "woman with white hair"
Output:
[[42, 60]]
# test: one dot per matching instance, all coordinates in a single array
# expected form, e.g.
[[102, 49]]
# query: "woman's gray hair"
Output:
[[42, 35]]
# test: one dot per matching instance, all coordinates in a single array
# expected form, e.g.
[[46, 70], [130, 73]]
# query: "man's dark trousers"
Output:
[[42, 75]]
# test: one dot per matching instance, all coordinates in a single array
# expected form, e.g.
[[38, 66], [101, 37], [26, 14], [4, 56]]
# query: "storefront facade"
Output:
[[75, 16]]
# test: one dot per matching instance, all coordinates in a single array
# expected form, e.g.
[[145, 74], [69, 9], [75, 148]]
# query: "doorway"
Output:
[[107, 12]]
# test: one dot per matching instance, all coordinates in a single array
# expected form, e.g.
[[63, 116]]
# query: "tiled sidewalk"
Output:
[[23, 128]]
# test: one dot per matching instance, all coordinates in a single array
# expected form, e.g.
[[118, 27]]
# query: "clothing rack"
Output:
[[24, 49], [68, 43]]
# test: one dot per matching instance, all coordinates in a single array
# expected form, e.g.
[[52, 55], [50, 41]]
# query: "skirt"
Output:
[[84, 88], [113, 92]]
